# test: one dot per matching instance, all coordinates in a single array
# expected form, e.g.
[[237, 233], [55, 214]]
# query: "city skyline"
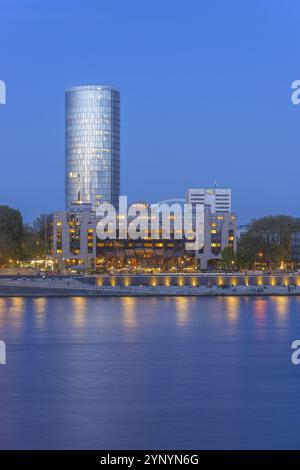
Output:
[[208, 114]]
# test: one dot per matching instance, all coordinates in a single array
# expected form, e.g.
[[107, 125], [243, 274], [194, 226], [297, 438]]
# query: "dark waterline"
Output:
[[149, 373]]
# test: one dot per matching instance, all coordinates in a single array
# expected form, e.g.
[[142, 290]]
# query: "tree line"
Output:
[[20, 241], [267, 241]]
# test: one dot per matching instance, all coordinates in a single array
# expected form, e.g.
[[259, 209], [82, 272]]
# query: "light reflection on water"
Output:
[[281, 305], [129, 314], [260, 310], [111, 373], [40, 308], [232, 308], [79, 310], [182, 305]]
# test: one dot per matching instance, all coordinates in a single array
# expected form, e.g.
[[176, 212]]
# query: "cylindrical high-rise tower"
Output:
[[92, 146]]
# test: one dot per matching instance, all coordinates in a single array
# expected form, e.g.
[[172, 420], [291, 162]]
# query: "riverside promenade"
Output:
[[151, 285]]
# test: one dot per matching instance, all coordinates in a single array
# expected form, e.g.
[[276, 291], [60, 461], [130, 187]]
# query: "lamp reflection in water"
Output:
[[79, 306], [3, 308], [39, 306], [281, 304], [129, 312], [232, 308], [182, 305], [260, 309], [16, 310]]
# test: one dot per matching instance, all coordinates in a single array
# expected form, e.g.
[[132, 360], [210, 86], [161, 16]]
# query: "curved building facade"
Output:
[[92, 146]]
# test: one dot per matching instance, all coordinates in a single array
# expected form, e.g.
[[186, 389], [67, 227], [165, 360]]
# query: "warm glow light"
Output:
[[40, 305], [232, 308], [129, 312], [281, 305], [79, 305], [286, 281], [182, 309]]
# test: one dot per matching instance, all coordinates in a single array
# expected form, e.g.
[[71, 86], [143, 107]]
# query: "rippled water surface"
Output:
[[149, 373]]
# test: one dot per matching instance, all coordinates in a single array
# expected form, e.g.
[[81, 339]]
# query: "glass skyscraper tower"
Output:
[[92, 146]]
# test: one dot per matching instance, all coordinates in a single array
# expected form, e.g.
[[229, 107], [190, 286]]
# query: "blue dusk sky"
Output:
[[205, 95]]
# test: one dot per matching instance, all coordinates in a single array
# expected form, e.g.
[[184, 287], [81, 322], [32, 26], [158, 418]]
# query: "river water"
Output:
[[149, 373]]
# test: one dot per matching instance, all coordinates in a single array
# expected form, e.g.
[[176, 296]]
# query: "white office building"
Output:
[[216, 200]]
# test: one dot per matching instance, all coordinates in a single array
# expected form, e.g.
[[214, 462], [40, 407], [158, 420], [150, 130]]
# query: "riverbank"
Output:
[[70, 287]]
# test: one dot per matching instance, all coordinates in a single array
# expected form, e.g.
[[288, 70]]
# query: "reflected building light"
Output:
[[260, 308], [16, 309], [17, 305], [3, 306], [129, 312], [232, 308], [39, 306], [79, 305], [281, 305], [182, 305]]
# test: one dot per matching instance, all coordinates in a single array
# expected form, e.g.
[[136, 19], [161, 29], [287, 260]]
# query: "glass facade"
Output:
[[92, 139]]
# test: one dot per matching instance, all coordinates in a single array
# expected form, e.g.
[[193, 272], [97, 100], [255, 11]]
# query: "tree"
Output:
[[39, 225], [32, 245], [228, 258], [34, 239], [11, 234], [267, 240]]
